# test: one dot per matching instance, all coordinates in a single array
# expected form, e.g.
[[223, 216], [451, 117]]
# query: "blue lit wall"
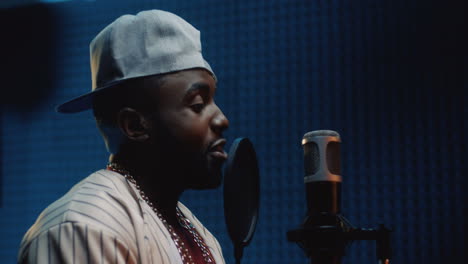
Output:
[[388, 75]]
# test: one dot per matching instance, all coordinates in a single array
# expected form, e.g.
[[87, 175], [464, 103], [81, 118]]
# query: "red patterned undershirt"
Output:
[[193, 248]]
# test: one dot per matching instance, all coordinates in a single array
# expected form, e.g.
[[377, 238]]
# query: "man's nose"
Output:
[[219, 123]]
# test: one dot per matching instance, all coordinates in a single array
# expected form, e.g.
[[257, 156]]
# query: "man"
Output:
[[153, 102]]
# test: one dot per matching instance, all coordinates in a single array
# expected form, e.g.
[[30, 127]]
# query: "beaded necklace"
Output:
[[183, 221]]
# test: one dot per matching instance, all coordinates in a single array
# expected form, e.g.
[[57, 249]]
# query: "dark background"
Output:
[[389, 76]]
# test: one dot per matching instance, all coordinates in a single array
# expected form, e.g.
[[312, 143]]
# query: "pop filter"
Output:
[[241, 194]]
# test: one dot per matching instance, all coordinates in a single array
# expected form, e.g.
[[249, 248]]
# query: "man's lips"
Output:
[[216, 149]]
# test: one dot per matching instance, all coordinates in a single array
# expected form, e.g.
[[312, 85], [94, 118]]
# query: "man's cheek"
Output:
[[196, 137]]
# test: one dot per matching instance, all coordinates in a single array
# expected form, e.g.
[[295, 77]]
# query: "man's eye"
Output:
[[197, 107]]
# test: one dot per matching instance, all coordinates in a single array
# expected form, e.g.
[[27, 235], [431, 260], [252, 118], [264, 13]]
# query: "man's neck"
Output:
[[157, 181]]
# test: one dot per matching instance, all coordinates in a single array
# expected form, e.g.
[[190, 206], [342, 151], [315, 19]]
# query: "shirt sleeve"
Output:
[[72, 242]]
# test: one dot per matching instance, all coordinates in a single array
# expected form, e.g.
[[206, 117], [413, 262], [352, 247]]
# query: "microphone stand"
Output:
[[325, 236]]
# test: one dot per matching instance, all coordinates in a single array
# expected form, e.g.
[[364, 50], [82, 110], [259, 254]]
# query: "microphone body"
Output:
[[322, 168]]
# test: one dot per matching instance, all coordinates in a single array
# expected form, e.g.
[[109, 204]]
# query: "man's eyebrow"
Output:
[[198, 87]]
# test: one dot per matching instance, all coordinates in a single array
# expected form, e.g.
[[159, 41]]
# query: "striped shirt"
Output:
[[103, 219]]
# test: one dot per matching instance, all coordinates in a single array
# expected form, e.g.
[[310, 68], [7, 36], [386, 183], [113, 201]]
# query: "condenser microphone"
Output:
[[325, 233], [322, 176]]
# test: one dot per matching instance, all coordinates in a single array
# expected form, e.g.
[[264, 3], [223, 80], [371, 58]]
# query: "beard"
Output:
[[189, 167], [190, 170], [206, 173], [193, 170]]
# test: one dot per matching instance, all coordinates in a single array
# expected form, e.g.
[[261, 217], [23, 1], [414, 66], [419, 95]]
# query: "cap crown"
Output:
[[148, 43]]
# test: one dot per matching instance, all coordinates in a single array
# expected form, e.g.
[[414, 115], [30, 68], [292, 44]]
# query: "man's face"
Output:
[[187, 129]]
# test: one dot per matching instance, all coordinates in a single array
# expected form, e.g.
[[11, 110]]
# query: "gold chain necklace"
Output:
[[183, 221]]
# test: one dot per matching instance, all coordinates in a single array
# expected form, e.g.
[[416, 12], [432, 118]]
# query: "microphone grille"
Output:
[[333, 157], [311, 158]]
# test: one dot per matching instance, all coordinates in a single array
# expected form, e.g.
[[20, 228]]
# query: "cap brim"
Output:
[[83, 102], [77, 104]]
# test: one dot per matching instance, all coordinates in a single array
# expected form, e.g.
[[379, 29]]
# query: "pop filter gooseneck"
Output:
[[241, 194]]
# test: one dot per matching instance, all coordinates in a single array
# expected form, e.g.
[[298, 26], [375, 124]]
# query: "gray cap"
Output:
[[149, 43]]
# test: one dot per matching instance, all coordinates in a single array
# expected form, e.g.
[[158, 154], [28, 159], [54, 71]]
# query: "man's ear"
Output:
[[133, 124]]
